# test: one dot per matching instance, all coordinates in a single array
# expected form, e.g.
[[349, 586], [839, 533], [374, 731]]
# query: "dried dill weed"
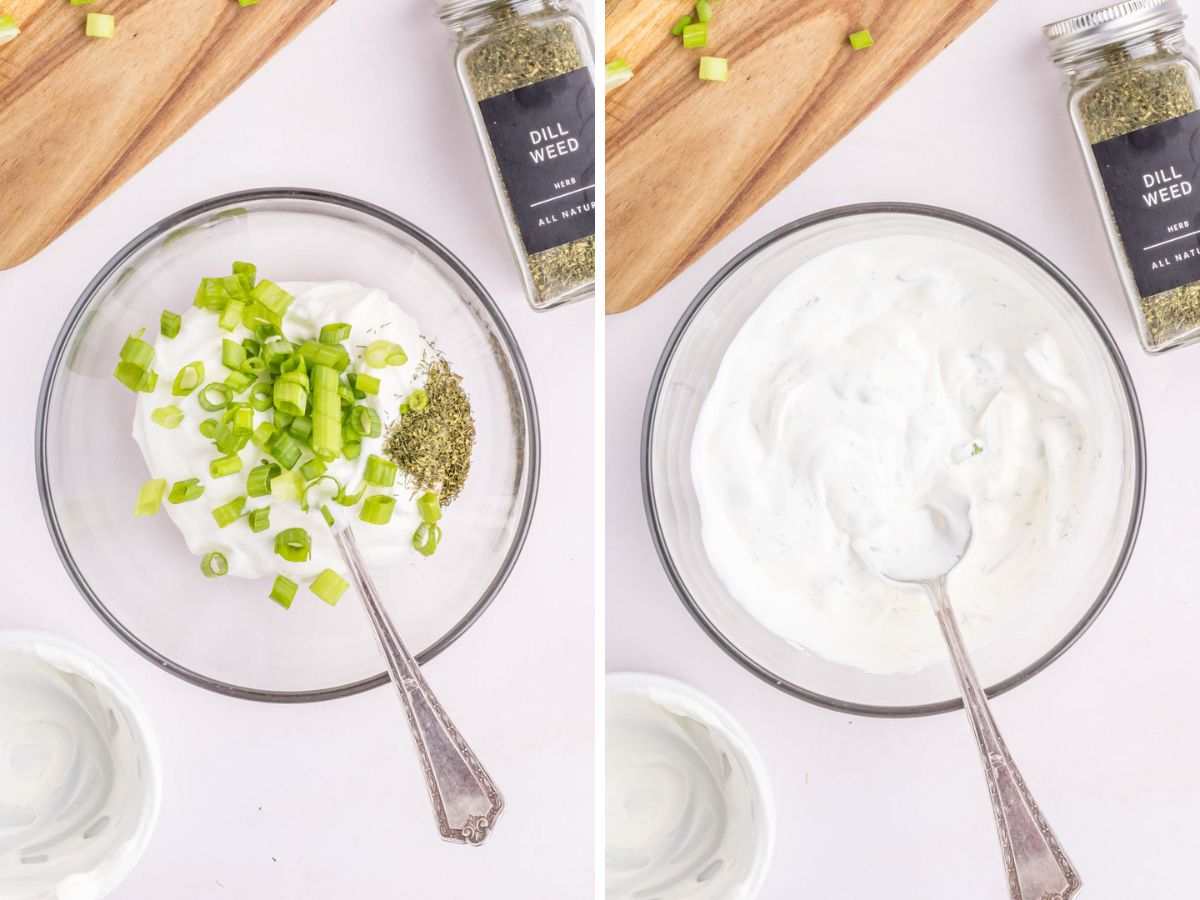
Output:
[[525, 68], [1134, 93], [432, 445]]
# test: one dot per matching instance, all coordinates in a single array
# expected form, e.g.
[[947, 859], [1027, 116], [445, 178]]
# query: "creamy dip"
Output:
[[875, 376], [183, 452], [683, 817], [78, 784]]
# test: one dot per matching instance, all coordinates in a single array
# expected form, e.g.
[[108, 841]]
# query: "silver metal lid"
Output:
[[1109, 25]]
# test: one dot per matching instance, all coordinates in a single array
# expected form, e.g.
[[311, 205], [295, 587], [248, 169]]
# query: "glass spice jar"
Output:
[[1133, 85], [526, 69]]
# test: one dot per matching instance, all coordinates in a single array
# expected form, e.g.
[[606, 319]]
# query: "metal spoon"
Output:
[[923, 549], [466, 803]]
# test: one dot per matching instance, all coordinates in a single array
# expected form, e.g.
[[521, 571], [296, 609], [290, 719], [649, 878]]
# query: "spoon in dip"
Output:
[[466, 803], [922, 547]]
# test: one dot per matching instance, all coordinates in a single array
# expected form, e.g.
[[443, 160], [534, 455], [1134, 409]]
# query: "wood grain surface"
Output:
[[79, 115], [687, 161]]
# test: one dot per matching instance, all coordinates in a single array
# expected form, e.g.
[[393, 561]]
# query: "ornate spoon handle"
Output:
[[466, 803], [1035, 863]]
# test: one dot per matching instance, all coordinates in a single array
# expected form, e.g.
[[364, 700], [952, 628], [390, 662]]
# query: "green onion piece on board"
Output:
[[8, 29], [287, 486], [149, 498], [334, 333], [233, 354], [214, 396], [258, 482], [861, 40], [430, 507], [228, 513], [384, 353], [314, 468], [293, 544], [681, 23], [185, 491], [329, 586], [100, 26], [377, 509], [225, 465], [259, 519], [81, 2], [214, 565], [326, 414], [426, 538], [714, 68], [283, 591], [167, 416], [616, 73], [704, 11], [380, 472], [169, 323], [188, 379], [245, 3], [695, 35]]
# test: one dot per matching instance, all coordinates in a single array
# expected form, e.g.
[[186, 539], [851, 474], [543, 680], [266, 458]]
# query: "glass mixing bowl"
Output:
[[685, 373], [137, 573]]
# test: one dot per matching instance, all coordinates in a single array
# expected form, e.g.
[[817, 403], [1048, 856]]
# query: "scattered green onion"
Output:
[[327, 515], [329, 586], [616, 73], [253, 366], [377, 509], [238, 382], [100, 26], [384, 353], [365, 421], [214, 396], [248, 271], [214, 565], [149, 498], [258, 482], [681, 23], [169, 323], [8, 29], [225, 465], [208, 427], [261, 398], [351, 449], [380, 471], [290, 397], [345, 499], [301, 428], [229, 441], [426, 538], [188, 379], [273, 299], [861, 40], [695, 35], [368, 384], [703, 11], [243, 420], [231, 315], [263, 434], [210, 295], [315, 487], [283, 591], [233, 354], [418, 400], [228, 513], [287, 486], [326, 413], [334, 333], [714, 68], [185, 491], [286, 449], [167, 416], [314, 353], [293, 544], [430, 507], [314, 468], [259, 519]]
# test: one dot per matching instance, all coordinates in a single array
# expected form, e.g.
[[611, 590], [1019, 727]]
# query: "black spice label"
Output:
[[1152, 178], [544, 138]]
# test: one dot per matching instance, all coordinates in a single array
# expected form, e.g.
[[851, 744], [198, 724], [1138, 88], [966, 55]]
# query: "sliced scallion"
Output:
[[261, 396], [377, 509], [695, 35], [385, 353], [149, 498], [329, 586], [233, 354], [208, 427], [314, 468], [188, 379], [8, 29], [258, 482], [167, 416], [287, 486], [228, 513], [293, 544], [214, 396], [259, 519], [616, 73], [418, 400], [263, 434], [426, 538], [681, 23], [185, 491], [283, 591], [368, 384], [365, 421], [169, 323], [334, 333], [223, 466], [714, 68], [430, 507], [704, 11], [100, 25], [380, 471], [214, 564]]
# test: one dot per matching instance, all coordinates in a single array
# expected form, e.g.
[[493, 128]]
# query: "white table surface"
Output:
[[1107, 735], [321, 801]]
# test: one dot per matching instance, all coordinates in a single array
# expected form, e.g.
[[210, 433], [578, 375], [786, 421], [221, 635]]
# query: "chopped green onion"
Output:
[[365, 421], [167, 416], [315, 353], [258, 482], [8, 29], [259, 519], [380, 471], [368, 384], [976, 448], [430, 507], [214, 565], [616, 73], [228, 513], [286, 449], [135, 378], [261, 396], [211, 295], [214, 396], [703, 11], [225, 465], [418, 400], [377, 509], [345, 499], [231, 315], [237, 289], [169, 323], [290, 397], [81, 2], [185, 491], [714, 68], [329, 586], [243, 420], [254, 366], [248, 271], [327, 515], [237, 382], [426, 538], [276, 352], [208, 427], [100, 26], [861, 40], [229, 441], [252, 347], [287, 486], [351, 449], [333, 494], [283, 591], [695, 35], [301, 428], [188, 379], [326, 413], [681, 23], [384, 353], [149, 498], [273, 299], [314, 468], [136, 352], [293, 544], [233, 354], [334, 333], [263, 434]]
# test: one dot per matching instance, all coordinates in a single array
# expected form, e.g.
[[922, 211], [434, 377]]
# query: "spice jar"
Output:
[[1133, 83], [525, 68]]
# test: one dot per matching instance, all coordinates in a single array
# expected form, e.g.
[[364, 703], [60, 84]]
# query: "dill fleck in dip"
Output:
[[525, 68], [1134, 95]]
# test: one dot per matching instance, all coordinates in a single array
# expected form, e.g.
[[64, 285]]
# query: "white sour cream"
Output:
[[685, 818], [183, 452], [79, 786], [873, 376]]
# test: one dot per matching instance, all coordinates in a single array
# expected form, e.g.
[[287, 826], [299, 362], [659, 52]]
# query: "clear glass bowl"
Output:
[[685, 373], [139, 576]]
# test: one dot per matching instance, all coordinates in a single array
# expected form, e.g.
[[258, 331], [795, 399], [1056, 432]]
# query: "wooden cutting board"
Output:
[[687, 161], [79, 115]]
